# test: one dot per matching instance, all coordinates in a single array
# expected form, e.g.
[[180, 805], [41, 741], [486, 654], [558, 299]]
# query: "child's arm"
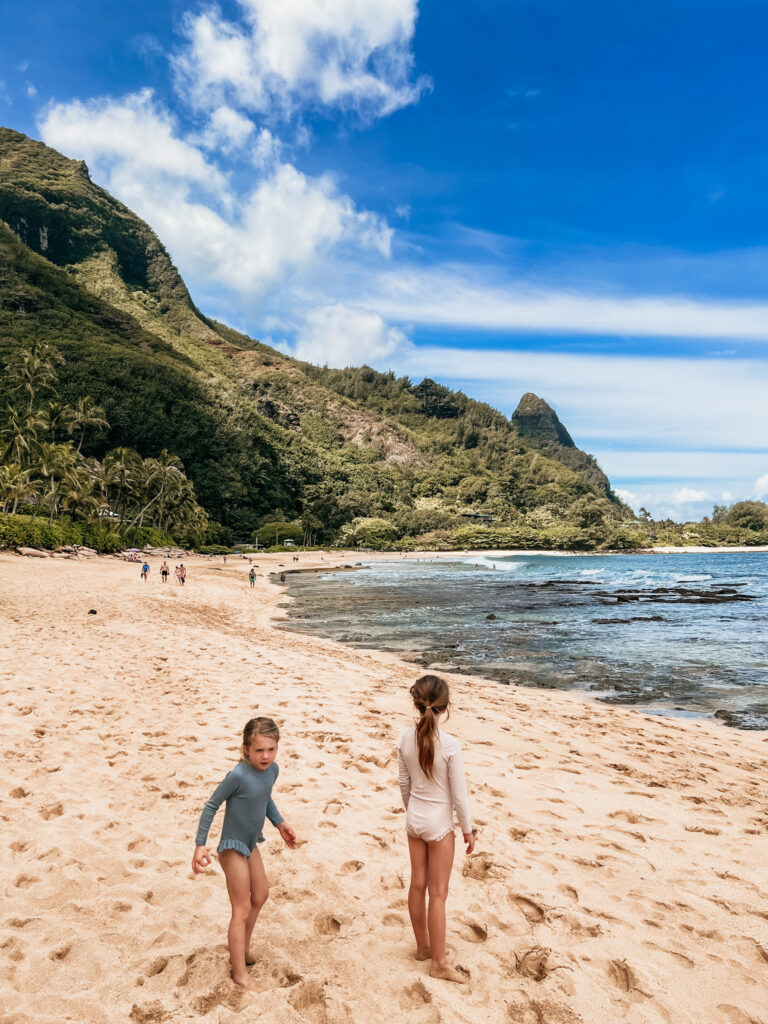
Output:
[[201, 858], [458, 783], [403, 778], [276, 818]]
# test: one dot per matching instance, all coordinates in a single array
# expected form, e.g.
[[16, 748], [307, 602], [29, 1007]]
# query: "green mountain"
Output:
[[366, 455]]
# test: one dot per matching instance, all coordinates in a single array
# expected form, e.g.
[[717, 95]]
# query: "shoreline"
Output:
[[619, 868]]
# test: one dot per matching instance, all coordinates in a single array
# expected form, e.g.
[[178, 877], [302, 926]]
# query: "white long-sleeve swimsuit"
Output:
[[430, 803]]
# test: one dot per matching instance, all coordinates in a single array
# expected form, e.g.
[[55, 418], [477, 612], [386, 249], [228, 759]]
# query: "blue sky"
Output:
[[506, 196]]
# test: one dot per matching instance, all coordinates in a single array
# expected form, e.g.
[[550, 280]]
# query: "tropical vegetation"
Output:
[[44, 472]]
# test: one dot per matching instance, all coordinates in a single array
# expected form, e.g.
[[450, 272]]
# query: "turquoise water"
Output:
[[681, 635]]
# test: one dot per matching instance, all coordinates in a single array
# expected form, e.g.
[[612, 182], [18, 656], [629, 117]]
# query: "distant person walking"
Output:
[[252, 577], [145, 572], [182, 574], [432, 784], [164, 572]]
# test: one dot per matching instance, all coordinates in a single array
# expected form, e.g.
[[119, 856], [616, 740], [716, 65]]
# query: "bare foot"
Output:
[[423, 953], [243, 981], [447, 973]]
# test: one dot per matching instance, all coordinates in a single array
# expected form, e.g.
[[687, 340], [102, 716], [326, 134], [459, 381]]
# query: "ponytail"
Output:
[[431, 696]]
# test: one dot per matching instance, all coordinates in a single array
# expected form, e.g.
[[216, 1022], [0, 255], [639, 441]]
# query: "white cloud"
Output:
[[132, 135], [339, 335], [284, 226], [727, 496], [761, 486], [693, 467], [459, 298], [697, 404], [227, 130], [630, 497], [267, 149], [31, 90], [686, 495], [281, 54]]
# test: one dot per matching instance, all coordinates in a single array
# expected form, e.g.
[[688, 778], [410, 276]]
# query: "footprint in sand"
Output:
[[310, 1001], [150, 1013], [51, 811], [415, 996], [480, 866], [734, 1015], [24, 881], [351, 867], [680, 957], [569, 892], [534, 912], [13, 950], [472, 931], [534, 963], [333, 807], [157, 966], [541, 1011], [327, 924], [624, 978]]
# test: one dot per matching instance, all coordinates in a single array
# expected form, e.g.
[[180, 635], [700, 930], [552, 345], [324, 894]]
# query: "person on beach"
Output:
[[176, 574], [145, 572], [247, 790], [252, 577], [432, 784], [164, 572], [182, 574]]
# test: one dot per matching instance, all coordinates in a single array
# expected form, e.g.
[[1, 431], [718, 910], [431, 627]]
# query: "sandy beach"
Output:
[[621, 872]]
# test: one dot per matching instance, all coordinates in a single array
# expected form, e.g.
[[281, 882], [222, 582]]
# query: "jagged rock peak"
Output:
[[535, 419]]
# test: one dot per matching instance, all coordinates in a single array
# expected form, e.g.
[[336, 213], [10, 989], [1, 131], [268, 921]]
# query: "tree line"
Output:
[[43, 470]]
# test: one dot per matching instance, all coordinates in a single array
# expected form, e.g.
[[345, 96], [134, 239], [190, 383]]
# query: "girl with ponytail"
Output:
[[432, 783]]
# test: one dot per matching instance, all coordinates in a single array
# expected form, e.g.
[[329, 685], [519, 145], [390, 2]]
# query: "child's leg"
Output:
[[417, 894], [439, 864], [236, 871], [259, 896]]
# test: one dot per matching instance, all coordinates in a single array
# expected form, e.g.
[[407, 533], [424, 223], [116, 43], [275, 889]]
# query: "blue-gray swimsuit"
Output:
[[248, 795]]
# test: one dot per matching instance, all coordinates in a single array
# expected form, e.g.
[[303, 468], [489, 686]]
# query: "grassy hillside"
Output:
[[350, 453]]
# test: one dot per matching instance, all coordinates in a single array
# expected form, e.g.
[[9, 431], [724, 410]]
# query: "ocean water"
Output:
[[680, 635]]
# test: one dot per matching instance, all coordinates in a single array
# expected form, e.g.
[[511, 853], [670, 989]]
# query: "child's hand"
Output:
[[289, 836], [469, 839], [200, 860]]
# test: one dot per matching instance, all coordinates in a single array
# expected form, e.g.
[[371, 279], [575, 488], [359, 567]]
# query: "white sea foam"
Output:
[[694, 579]]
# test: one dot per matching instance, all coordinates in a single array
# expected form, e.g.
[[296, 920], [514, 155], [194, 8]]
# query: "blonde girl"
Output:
[[432, 784], [247, 790]]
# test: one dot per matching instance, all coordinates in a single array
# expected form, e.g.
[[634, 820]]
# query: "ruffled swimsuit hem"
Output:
[[432, 839], [234, 844]]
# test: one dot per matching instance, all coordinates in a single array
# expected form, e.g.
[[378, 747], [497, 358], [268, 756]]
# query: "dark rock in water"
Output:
[[634, 618], [491, 616]]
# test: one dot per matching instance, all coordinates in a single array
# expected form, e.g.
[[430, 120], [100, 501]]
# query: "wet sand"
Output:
[[621, 872]]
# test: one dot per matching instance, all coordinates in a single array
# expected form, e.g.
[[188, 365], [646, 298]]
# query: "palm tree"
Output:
[[160, 478], [19, 435], [85, 416], [15, 485], [57, 418], [122, 467], [32, 370], [79, 493], [56, 464]]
